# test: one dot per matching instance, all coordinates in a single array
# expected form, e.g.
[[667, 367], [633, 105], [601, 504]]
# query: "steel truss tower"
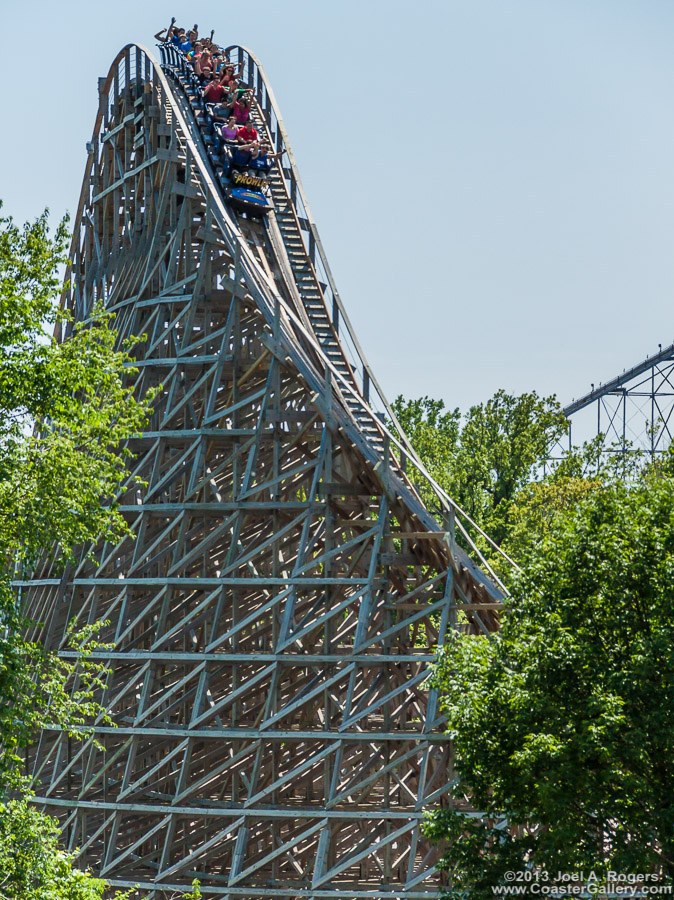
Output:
[[275, 616], [633, 411]]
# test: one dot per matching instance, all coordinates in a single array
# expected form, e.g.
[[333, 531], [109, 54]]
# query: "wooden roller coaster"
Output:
[[273, 621]]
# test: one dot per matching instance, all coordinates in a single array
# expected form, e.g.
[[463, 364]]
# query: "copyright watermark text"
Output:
[[612, 885]]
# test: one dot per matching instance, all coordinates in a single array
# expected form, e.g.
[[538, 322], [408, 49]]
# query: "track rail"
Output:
[[320, 299], [302, 246], [630, 413], [615, 384]]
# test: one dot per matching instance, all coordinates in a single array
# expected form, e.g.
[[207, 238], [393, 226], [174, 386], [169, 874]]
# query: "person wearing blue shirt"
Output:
[[241, 156], [187, 42], [171, 34], [262, 158]]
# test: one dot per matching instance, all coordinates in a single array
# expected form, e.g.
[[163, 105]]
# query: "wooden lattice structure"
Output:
[[274, 619]]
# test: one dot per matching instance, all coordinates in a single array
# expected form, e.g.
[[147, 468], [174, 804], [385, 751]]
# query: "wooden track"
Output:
[[274, 619]]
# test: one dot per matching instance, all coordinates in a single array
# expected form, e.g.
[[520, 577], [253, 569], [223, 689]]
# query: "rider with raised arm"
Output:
[[166, 35]]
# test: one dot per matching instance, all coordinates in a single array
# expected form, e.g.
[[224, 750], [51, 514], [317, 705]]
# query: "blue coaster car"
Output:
[[249, 201], [248, 186]]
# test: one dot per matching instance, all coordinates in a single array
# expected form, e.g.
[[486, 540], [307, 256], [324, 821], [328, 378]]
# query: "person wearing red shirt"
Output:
[[214, 92], [247, 134]]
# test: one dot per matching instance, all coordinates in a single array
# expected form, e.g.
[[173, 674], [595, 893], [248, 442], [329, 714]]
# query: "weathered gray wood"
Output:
[[271, 643]]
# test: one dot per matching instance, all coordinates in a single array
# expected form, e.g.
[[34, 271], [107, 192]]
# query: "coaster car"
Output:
[[245, 200], [248, 186]]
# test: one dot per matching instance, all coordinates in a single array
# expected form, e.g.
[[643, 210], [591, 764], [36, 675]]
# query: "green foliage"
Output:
[[528, 519], [32, 864], [485, 461], [43, 687], [433, 432], [503, 443], [29, 279], [66, 409], [54, 480], [563, 723]]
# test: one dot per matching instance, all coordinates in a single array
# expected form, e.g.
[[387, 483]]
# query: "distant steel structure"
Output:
[[634, 411], [273, 621]]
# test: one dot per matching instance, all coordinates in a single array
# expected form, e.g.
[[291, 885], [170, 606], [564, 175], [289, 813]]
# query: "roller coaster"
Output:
[[631, 412], [269, 629]]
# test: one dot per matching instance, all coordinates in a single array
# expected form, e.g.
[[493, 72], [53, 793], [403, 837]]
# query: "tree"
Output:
[[503, 443], [484, 462], [563, 723], [32, 865], [434, 434], [529, 516], [66, 409]]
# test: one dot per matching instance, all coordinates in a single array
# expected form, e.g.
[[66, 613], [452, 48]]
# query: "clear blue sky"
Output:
[[492, 179]]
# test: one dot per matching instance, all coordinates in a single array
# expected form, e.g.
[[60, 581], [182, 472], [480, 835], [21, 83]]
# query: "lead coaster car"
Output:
[[246, 193], [245, 200]]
